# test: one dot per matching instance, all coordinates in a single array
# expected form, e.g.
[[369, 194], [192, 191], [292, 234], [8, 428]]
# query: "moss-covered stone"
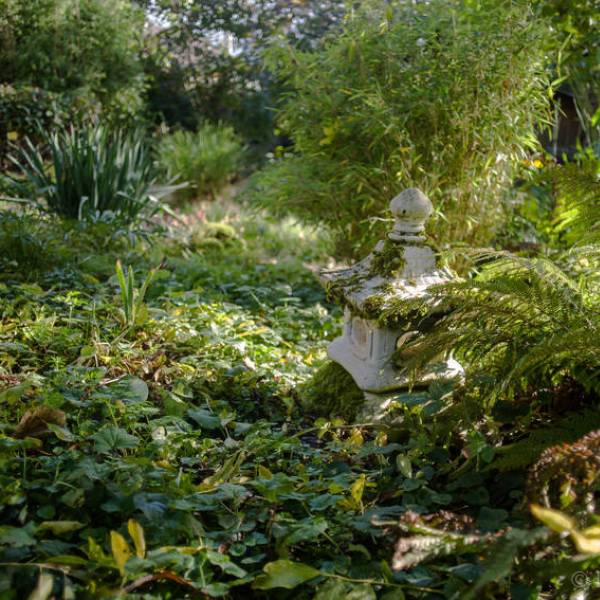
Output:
[[389, 261], [332, 392]]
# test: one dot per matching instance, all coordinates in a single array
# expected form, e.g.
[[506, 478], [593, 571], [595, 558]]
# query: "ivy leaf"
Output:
[[225, 563], [60, 527], [138, 389], [361, 592], [113, 438], [204, 418], [17, 536], [15, 393], [285, 574]]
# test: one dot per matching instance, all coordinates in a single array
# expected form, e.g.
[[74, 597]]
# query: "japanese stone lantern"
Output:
[[400, 270]]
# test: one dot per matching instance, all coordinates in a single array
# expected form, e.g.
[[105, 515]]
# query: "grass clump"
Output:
[[206, 159], [94, 173]]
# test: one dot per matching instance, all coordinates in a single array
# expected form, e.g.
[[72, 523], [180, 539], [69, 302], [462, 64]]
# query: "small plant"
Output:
[[93, 173], [207, 158], [134, 309], [26, 248]]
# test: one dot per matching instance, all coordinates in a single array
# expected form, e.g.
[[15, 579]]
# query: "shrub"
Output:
[[84, 53], [442, 95], [94, 173], [207, 159], [25, 246], [205, 80]]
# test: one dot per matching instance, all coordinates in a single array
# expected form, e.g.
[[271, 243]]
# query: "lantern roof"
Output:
[[401, 267]]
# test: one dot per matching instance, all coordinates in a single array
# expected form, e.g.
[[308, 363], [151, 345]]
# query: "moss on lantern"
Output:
[[332, 392], [388, 261]]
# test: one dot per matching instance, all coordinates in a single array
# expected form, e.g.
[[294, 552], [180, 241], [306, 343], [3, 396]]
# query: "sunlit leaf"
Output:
[[284, 574], [136, 532], [554, 519], [120, 550]]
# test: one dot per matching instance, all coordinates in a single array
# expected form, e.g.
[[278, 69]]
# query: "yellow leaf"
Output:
[[554, 519], [357, 489], [592, 532], [356, 438], [120, 550], [12, 136], [136, 531], [60, 527], [584, 544], [329, 132], [264, 473]]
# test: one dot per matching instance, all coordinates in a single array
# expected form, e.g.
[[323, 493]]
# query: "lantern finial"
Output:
[[411, 209]]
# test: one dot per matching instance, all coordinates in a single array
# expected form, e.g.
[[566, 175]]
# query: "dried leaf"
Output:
[[34, 423]]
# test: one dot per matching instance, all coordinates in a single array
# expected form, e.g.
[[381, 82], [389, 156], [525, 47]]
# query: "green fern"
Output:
[[578, 210], [522, 321], [501, 558]]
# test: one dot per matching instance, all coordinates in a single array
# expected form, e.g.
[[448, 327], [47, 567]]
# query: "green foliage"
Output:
[[86, 51], [207, 159], [577, 188], [95, 173], [529, 323], [195, 75], [523, 451], [442, 95], [26, 110], [577, 38], [23, 245], [523, 321], [134, 311], [181, 459]]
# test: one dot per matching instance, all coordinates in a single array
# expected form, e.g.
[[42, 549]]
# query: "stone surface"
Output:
[[410, 209], [401, 267]]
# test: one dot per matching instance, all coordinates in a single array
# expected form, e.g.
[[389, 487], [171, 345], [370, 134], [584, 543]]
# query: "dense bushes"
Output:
[[196, 75], [206, 159], [82, 54], [442, 95]]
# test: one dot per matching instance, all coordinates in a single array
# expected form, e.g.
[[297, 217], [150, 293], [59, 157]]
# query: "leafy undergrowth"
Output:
[[157, 446]]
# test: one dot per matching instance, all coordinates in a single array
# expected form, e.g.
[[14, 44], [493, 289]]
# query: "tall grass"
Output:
[[90, 172]]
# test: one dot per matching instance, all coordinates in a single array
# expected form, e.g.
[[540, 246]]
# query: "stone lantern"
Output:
[[400, 268]]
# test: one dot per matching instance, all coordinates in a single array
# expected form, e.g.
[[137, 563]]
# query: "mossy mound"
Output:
[[332, 392], [215, 235]]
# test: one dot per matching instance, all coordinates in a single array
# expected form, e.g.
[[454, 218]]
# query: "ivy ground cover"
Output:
[[154, 442]]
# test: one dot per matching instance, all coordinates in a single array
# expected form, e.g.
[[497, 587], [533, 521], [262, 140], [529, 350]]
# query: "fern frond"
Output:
[[578, 210], [521, 320]]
